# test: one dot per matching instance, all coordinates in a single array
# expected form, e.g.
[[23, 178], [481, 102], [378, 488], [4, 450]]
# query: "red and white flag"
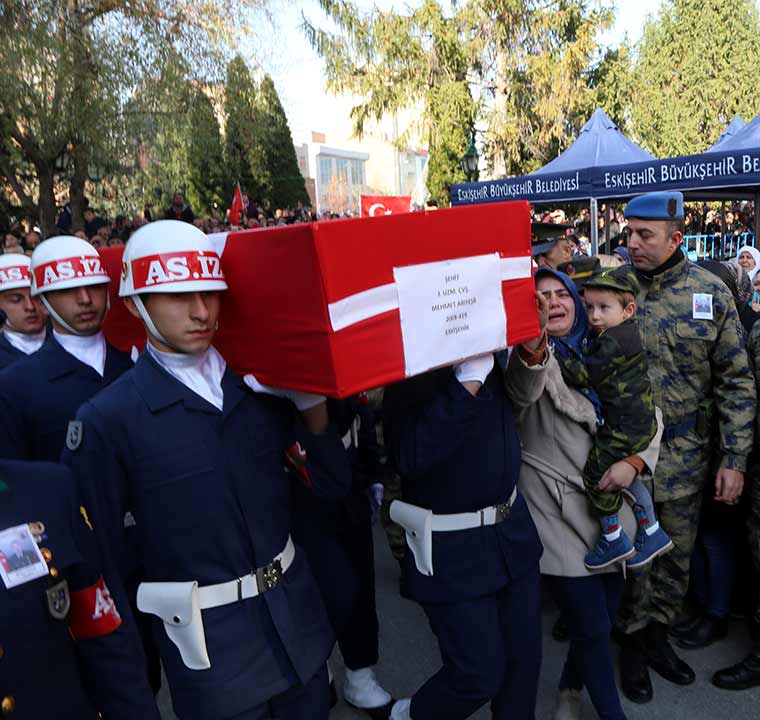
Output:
[[237, 206], [374, 205]]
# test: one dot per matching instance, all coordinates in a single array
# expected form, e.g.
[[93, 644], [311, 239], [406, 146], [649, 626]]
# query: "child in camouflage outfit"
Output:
[[615, 369]]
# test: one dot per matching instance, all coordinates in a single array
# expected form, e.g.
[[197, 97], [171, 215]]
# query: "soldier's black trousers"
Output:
[[491, 651]]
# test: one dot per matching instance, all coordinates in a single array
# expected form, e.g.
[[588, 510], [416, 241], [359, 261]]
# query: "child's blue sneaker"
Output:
[[649, 546], [608, 552]]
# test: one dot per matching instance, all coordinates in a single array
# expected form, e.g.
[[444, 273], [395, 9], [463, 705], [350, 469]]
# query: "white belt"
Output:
[[352, 436], [490, 515], [251, 585]]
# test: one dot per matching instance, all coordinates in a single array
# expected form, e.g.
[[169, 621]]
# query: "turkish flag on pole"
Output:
[[374, 205], [237, 206]]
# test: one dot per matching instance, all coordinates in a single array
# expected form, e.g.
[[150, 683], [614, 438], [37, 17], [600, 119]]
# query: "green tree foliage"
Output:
[[523, 70], [694, 72], [243, 152], [206, 172], [420, 60], [287, 186], [536, 70], [77, 74]]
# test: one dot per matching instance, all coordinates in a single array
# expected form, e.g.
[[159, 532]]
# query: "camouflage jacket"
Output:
[[617, 369], [700, 374], [753, 348]]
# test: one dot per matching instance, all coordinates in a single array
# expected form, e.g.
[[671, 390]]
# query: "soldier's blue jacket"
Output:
[[8, 353], [459, 453], [46, 672], [210, 496], [41, 393]]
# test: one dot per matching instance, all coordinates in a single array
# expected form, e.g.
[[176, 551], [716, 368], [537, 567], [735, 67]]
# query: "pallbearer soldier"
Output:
[[199, 462], [473, 551], [337, 538], [23, 329], [65, 651], [40, 394]]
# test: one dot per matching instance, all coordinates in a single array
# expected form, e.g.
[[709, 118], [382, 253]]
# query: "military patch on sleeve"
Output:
[[58, 600], [74, 435]]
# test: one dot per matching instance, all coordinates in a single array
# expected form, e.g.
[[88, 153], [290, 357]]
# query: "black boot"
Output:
[[686, 625], [743, 675], [634, 674], [663, 659], [705, 632]]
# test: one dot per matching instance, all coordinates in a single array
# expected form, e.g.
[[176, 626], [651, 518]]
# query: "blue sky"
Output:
[[283, 51]]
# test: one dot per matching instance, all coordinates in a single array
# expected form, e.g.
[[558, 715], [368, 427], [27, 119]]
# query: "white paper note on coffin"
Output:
[[450, 310], [384, 298]]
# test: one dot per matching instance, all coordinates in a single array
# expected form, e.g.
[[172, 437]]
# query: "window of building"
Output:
[[325, 170], [357, 173], [341, 169]]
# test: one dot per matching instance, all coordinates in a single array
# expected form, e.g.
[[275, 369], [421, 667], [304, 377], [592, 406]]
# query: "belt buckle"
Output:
[[502, 511], [269, 577]]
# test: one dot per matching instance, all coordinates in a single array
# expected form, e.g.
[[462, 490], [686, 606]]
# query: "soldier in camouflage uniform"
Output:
[[699, 373], [746, 673]]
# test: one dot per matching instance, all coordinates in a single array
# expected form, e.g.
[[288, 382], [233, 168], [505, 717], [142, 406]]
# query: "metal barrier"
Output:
[[715, 247]]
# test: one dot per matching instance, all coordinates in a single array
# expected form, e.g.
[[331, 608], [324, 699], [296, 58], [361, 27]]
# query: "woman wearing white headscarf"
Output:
[[749, 259]]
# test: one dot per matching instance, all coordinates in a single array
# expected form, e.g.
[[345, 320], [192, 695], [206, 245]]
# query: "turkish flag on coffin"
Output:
[[315, 307], [375, 205]]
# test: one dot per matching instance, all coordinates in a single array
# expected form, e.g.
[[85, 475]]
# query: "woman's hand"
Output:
[[618, 477], [543, 317]]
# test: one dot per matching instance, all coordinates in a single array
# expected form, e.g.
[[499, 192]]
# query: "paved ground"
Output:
[[409, 655]]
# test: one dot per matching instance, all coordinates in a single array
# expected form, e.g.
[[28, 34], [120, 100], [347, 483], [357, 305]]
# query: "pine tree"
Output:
[[242, 154], [206, 171], [287, 186], [694, 72]]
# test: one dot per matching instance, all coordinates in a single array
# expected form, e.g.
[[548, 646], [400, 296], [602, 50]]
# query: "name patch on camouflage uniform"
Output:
[[702, 306], [74, 435]]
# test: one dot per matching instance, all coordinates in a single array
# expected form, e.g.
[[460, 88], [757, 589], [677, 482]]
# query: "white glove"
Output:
[[302, 400], [474, 369]]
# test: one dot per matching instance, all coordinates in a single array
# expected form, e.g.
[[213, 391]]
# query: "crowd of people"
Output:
[[732, 224], [186, 518]]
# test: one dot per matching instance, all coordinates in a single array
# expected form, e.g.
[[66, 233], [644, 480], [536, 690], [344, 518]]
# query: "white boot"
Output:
[[568, 705], [401, 710], [362, 690]]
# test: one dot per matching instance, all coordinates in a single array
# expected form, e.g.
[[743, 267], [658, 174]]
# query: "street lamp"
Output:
[[469, 161]]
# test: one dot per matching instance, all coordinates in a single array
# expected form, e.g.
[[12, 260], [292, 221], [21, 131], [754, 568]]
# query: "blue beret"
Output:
[[656, 206]]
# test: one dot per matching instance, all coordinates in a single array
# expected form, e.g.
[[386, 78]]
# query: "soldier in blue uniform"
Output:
[[337, 538], [198, 460], [474, 550], [40, 394], [65, 652], [22, 319]]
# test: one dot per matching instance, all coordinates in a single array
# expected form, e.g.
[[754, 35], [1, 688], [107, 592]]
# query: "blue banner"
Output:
[[740, 168]]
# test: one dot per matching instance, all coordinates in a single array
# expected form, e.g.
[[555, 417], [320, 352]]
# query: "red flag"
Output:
[[375, 205], [237, 206]]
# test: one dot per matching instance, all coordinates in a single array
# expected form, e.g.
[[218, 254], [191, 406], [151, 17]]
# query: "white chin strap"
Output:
[[63, 323], [58, 319], [149, 324]]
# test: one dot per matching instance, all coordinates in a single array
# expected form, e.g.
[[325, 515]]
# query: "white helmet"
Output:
[[168, 256], [14, 272], [65, 262]]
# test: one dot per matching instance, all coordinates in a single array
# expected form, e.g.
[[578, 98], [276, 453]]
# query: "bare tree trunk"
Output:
[[76, 187], [47, 199]]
